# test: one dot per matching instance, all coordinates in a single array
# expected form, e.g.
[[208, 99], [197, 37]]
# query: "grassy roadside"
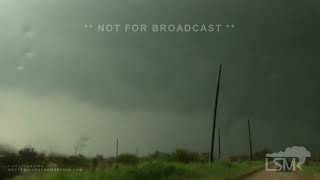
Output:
[[156, 170], [312, 169]]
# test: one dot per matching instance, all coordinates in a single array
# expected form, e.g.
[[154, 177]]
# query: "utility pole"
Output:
[[219, 146], [117, 152], [215, 114], [75, 150], [137, 152], [250, 144]]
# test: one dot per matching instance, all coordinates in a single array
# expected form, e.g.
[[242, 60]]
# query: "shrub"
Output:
[[156, 170], [185, 156], [260, 155], [127, 159], [98, 161], [161, 156], [30, 156]]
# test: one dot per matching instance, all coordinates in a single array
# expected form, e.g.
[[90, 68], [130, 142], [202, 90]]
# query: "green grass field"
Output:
[[155, 170]]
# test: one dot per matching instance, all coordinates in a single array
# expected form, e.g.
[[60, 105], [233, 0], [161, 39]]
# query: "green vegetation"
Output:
[[156, 170], [311, 169], [180, 164]]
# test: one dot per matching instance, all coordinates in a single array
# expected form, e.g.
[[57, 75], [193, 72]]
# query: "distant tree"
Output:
[[9, 158], [127, 159], [185, 156], [260, 155], [31, 156], [239, 158], [315, 156], [97, 160], [77, 161], [157, 155], [204, 157]]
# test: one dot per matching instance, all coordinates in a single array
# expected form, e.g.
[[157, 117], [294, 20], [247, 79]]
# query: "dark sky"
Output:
[[60, 82]]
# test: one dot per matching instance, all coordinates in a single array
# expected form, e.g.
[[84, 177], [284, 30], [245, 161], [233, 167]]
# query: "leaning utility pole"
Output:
[[250, 145], [219, 145], [215, 114]]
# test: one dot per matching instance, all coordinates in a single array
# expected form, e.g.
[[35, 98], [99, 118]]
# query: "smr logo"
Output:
[[289, 160]]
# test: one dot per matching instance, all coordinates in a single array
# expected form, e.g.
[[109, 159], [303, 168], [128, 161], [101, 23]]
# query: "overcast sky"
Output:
[[60, 82]]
